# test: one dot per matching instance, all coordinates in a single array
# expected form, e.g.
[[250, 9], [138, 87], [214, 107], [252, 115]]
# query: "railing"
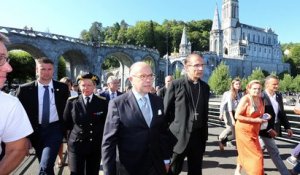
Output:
[[213, 118], [30, 32]]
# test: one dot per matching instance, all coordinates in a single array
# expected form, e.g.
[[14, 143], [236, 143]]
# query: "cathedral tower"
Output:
[[230, 24], [216, 35], [230, 13]]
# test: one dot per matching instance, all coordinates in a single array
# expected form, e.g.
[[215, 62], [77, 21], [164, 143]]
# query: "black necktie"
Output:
[[87, 101], [46, 107]]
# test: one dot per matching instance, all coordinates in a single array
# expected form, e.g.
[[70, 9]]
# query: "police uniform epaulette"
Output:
[[73, 97], [103, 98]]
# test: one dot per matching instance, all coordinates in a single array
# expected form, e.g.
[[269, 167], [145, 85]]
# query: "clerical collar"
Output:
[[193, 82]]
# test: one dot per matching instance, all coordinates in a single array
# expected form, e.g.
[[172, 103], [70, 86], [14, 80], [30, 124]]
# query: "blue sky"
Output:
[[70, 17]]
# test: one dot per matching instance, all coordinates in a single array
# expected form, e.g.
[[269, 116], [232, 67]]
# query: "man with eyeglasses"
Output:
[[186, 107], [14, 123], [112, 91], [135, 138]]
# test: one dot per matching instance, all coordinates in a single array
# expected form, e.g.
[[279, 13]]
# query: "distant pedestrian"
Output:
[[229, 103]]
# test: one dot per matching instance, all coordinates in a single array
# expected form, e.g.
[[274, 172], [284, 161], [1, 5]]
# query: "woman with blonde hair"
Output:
[[248, 115]]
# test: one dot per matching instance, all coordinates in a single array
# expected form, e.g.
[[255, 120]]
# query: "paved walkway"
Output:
[[215, 161]]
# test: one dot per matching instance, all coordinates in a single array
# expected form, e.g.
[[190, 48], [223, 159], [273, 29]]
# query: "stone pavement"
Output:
[[215, 162]]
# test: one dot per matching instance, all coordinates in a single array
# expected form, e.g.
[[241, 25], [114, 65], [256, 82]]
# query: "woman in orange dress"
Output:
[[248, 115]]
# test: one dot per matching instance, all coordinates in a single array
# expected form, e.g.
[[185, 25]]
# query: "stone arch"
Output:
[[177, 65], [34, 51], [76, 63], [122, 72]]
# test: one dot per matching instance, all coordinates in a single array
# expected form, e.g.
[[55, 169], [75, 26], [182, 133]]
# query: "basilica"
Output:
[[241, 46], [244, 47]]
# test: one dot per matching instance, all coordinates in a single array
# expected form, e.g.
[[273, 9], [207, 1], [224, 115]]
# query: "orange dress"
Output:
[[250, 155]]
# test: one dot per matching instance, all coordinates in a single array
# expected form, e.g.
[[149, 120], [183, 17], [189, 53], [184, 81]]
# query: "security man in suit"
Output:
[[186, 106], [274, 106], [44, 101], [135, 140], [84, 117]]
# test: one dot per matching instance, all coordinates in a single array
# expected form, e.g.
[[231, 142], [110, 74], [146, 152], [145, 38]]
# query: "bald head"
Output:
[[141, 77], [137, 67]]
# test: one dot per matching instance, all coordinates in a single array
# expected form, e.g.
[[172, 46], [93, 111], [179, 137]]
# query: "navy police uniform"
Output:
[[85, 124]]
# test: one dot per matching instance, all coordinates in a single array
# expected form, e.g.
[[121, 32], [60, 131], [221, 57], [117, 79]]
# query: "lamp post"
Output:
[[167, 57]]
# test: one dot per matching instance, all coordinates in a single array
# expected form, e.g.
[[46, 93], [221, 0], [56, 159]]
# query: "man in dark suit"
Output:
[[162, 91], [135, 140], [112, 91], [186, 106], [44, 101], [274, 106], [84, 117]]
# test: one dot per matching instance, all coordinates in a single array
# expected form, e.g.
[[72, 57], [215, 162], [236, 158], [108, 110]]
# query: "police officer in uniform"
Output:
[[84, 117]]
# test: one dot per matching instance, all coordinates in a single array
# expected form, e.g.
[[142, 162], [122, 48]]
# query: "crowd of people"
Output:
[[143, 131]]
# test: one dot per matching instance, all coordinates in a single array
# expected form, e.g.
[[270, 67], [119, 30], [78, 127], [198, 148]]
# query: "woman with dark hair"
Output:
[[229, 103]]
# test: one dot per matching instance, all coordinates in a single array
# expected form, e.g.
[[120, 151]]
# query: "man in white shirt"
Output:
[[12, 116], [274, 106]]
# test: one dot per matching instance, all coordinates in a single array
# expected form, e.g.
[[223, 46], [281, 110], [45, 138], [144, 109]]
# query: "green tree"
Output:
[[285, 83], [257, 74], [95, 32], [220, 79], [296, 83], [61, 68], [23, 66], [177, 74], [110, 63], [85, 35]]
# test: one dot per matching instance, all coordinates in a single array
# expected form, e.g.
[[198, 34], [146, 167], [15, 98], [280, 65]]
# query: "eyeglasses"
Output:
[[3, 60], [197, 65], [144, 77]]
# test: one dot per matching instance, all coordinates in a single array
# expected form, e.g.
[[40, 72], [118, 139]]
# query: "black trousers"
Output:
[[84, 164], [194, 153]]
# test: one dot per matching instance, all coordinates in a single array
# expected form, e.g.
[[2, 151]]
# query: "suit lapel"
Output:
[[35, 97], [132, 102], [154, 109]]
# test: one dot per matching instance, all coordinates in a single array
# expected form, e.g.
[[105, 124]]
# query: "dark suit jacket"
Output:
[[107, 95], [269, 109], [179, 111], [128, 138], [28, 96], [161, 92], [85, 124]]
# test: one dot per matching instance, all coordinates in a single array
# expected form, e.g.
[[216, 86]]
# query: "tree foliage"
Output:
[[164, 37], [61, 68], [257, 74], [286, 83], [178, 74], [23, 66], [110, 63], [292, 56], [220, 79]]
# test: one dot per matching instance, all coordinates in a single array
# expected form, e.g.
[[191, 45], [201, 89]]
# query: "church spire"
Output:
[[216, 22], [183, 37], [185, 46]]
